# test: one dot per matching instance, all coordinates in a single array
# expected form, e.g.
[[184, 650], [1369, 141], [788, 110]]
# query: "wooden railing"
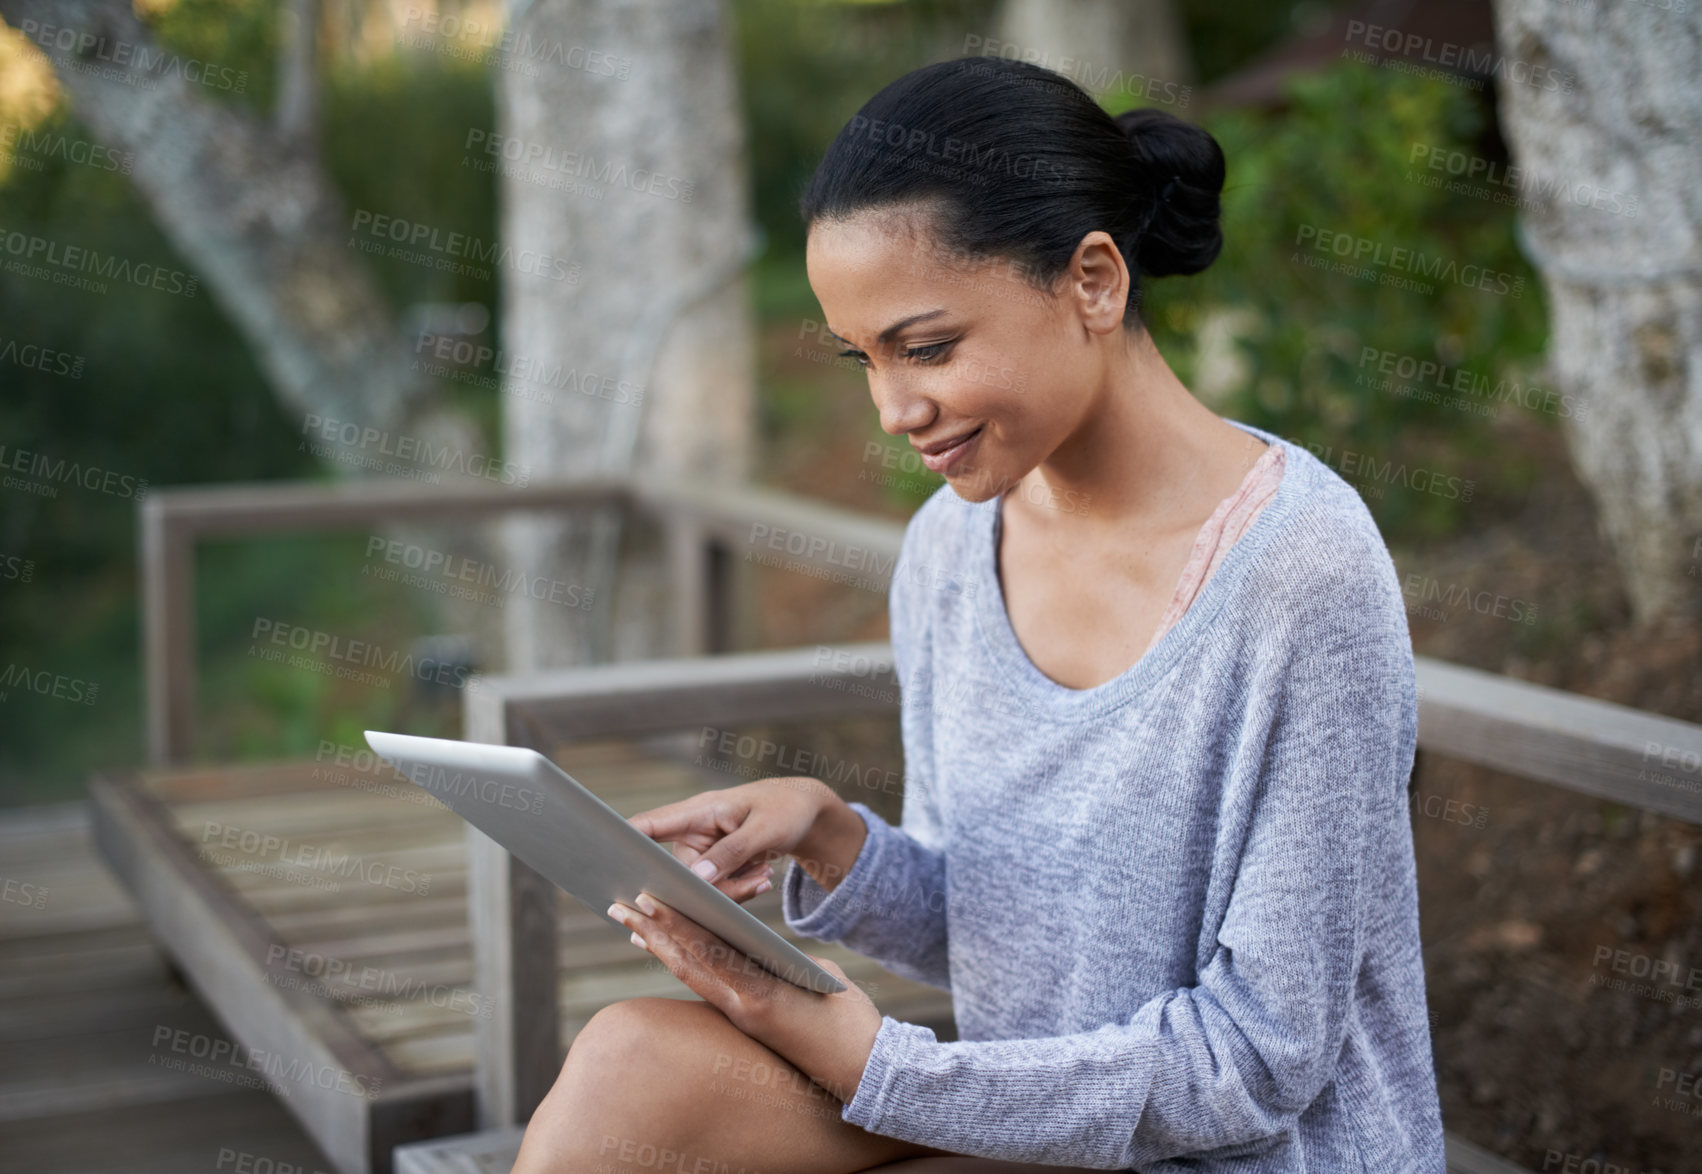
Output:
[[1595, 747], [703, 522]]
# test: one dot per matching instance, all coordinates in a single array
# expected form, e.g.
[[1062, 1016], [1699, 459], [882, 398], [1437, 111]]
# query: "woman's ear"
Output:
[[1097, 281]]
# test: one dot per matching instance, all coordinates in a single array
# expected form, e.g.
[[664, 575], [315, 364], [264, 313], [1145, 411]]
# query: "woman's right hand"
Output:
[[739, 830]]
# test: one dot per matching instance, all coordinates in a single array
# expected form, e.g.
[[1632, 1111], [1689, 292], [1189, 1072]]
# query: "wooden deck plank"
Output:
[[211, 1134], [432, 950], [58, 1012], [342, 862], [96, 968], [70, 891], [269, 901], [280, 809], [492, 1152], [431, 848], [84, 906], [53, 843], [89, 1071], [294, 776], [349, 969], [307, 823], [20, 825], [352, 919], [432, 1039], [304, 811]]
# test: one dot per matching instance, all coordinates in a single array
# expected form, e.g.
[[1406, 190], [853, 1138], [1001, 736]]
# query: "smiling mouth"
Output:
[[939, 460]]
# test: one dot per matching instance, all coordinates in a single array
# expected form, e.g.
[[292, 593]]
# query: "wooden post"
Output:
[[511, 916], [720, 598], [165, 563], [689, 585]]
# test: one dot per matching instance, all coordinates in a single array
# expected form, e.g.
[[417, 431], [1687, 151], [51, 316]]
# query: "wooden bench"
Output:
[[322, 913]]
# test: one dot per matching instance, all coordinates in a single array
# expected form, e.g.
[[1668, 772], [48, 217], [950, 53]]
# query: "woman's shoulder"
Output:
[[1325, 554]]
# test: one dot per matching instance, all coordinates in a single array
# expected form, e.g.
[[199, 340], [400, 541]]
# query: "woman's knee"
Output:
[[648, 1076], [630, 1037], [612, 1087], [647, 1059]]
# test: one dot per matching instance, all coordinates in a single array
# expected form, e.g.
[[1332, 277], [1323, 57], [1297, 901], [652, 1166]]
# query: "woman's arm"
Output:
[[888, 905], [833, 843], [886, 899], [1238, 1056]]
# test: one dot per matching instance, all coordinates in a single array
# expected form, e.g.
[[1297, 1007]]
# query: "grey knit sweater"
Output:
[[1177, 912]]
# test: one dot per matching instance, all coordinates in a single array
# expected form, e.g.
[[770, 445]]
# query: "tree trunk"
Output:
[[1132, 46], [623, 157], [1605, 129], [297, 117]]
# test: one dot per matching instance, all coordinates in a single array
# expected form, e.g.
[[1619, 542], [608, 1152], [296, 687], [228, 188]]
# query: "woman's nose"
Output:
[[901, 410]]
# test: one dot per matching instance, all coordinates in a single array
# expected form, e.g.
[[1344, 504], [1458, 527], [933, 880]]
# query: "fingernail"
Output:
[[614, 911], [645, 903], [638, 941], [764, 885], [706, 869]]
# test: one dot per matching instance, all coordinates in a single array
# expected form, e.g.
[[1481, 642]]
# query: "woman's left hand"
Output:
[[826, 1037]]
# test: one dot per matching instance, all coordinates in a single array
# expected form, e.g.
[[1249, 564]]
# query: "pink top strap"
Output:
[[1227, 523]]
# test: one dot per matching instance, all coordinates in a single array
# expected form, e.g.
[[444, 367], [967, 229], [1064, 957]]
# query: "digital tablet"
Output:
[[545, 817]]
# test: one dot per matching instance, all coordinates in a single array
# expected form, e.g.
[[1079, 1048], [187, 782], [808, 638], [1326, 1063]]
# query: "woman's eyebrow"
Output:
[[887, 334]]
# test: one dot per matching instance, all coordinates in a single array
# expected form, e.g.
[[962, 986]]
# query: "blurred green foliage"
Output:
[[839, 55], [1224, 35], [169, 393], [1340, 160]]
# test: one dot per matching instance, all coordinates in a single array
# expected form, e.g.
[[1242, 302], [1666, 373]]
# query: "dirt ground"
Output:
[[1563, 937], [1562, 934]]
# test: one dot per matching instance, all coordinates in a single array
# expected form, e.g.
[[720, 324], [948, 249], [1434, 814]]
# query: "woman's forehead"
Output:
[[892, 261], [873, 233]]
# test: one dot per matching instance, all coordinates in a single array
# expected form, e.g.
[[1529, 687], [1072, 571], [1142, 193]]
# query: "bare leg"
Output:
[[656, 1086], [963, 1164]]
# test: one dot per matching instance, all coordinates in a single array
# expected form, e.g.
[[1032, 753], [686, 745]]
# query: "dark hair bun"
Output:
[[1186, 166]]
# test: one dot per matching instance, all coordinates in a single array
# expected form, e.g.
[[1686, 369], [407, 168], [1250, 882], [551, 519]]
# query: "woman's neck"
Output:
[[1147, 454]]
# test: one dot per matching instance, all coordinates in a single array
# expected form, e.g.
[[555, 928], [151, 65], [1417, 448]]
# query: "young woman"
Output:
[[1158, 716]]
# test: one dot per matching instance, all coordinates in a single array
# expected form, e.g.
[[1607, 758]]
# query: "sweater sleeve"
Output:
[[891, 905], [1227, 1063]]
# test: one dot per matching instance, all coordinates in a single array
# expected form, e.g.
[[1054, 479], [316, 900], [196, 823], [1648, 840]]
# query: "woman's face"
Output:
[[985, 374]]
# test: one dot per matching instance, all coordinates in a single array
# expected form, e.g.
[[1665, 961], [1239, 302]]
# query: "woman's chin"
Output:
[[973, 484]]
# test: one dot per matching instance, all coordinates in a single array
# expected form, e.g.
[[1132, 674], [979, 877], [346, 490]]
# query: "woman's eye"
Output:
[[932, 353]]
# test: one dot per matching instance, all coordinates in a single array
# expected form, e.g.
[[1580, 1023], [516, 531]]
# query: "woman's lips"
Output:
[[939, 462]]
